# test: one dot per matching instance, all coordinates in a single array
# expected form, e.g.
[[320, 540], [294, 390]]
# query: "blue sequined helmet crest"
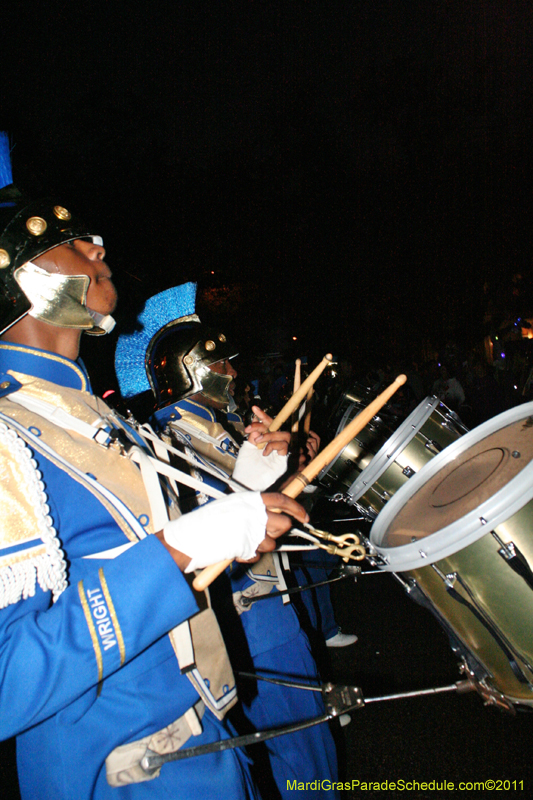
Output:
[[171, 351]]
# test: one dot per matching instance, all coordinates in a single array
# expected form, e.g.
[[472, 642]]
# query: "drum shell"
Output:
[[454, 518], [356, 394], [349, 463], [502, 595], [437, 432]]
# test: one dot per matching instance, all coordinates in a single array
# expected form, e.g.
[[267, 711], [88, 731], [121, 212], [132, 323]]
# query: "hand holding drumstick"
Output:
[[260, 434], [239, 526], [263, 436], [312, 470]]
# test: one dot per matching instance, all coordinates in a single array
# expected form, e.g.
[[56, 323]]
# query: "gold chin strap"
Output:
[[60, 299]]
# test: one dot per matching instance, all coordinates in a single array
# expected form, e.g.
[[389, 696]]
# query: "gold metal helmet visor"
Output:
[[60, 299]]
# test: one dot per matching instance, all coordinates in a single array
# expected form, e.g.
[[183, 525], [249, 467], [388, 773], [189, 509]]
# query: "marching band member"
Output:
[[106, 653], [187, 367]]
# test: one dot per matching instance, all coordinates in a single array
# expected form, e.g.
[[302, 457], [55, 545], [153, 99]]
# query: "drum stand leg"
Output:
[[339, 699], [461, 687], [469, 684]]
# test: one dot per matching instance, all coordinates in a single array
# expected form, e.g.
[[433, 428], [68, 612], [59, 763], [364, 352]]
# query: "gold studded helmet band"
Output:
[[27, 230], [178, 360]]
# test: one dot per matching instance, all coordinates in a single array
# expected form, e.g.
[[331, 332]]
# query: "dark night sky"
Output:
[[352, 173]]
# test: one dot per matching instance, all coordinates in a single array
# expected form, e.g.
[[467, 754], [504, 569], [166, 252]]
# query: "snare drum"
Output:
[[357, 393], [376, 473], [340, 474], [460, 534]]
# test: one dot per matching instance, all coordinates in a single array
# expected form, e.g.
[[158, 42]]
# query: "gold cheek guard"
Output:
[[61, 300], [214, 386]]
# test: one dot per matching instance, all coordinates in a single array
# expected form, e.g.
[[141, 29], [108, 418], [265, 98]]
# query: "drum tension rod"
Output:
[[514, 557], [448, 579], [511, 654]]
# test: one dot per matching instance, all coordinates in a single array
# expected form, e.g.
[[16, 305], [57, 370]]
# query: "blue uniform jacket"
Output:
[[95, 669]]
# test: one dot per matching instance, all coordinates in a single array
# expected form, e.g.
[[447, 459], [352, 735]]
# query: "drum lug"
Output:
[[383, 496], [491, 698], [515, 559], [451, 577], [508, 551], [368, 513], [409, 585], [448, 579], [408, 472], [431, 444], [375, 560]]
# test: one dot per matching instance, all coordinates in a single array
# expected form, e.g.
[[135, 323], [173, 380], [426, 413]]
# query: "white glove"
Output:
[[232, 527], [257, 471]]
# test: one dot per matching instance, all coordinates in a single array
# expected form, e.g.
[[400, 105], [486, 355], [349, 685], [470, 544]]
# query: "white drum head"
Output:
[[475, 484]]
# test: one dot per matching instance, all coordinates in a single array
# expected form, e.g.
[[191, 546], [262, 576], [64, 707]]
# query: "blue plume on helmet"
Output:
[[158, 311], [6, 174]]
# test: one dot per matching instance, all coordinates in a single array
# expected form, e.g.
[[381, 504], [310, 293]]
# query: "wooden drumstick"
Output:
[[296, 386], [308, 405], [339, 442], [295, 401], [208, 575], [299, 395]]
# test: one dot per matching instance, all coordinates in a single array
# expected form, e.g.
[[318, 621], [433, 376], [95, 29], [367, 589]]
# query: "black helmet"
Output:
[[27, 230], [178, 360]]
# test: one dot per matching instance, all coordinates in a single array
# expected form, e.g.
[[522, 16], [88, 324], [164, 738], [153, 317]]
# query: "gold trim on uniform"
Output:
[[79, 457], [113, 615], [51, 356], [92, 631]]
